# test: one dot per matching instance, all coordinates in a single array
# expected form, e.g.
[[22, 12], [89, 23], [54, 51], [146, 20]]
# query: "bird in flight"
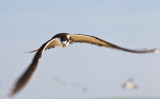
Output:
[[129, 84], [62, 40]]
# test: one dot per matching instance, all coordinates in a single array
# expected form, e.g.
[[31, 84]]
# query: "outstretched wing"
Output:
[[50, 45], [28, 73], [80, 38]]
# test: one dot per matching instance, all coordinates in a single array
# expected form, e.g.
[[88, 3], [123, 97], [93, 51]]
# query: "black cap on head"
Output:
[[64, 38]]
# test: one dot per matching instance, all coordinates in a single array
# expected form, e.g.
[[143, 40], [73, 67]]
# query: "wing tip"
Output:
[[14, 90], [156, 51], [152, 50], [11, 94]]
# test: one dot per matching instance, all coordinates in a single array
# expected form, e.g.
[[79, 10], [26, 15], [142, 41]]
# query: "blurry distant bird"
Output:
[[129, 84], [60, 82], [62, 40], [84, 88]]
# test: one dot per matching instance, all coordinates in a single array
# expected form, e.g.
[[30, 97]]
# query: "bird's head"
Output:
[[64, 40]]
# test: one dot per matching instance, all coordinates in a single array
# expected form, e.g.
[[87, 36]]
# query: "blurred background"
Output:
[[81, 70]]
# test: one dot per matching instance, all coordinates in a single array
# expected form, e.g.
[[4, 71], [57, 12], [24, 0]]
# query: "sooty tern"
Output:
[[62, 40]]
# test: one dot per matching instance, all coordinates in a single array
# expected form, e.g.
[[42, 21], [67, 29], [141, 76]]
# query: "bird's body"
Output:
[[129, 84], [62, 40]]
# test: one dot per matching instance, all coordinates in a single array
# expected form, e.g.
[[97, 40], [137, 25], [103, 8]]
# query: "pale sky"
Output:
[[80, 70]]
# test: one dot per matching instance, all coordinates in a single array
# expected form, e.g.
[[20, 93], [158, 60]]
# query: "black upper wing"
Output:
[[28, 73], [80, 38]]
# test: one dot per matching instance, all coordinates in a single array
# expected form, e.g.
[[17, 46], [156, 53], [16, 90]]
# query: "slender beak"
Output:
[[65, 43]]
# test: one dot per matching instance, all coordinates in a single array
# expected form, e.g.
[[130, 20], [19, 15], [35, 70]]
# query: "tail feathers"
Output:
[[32, 51]]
